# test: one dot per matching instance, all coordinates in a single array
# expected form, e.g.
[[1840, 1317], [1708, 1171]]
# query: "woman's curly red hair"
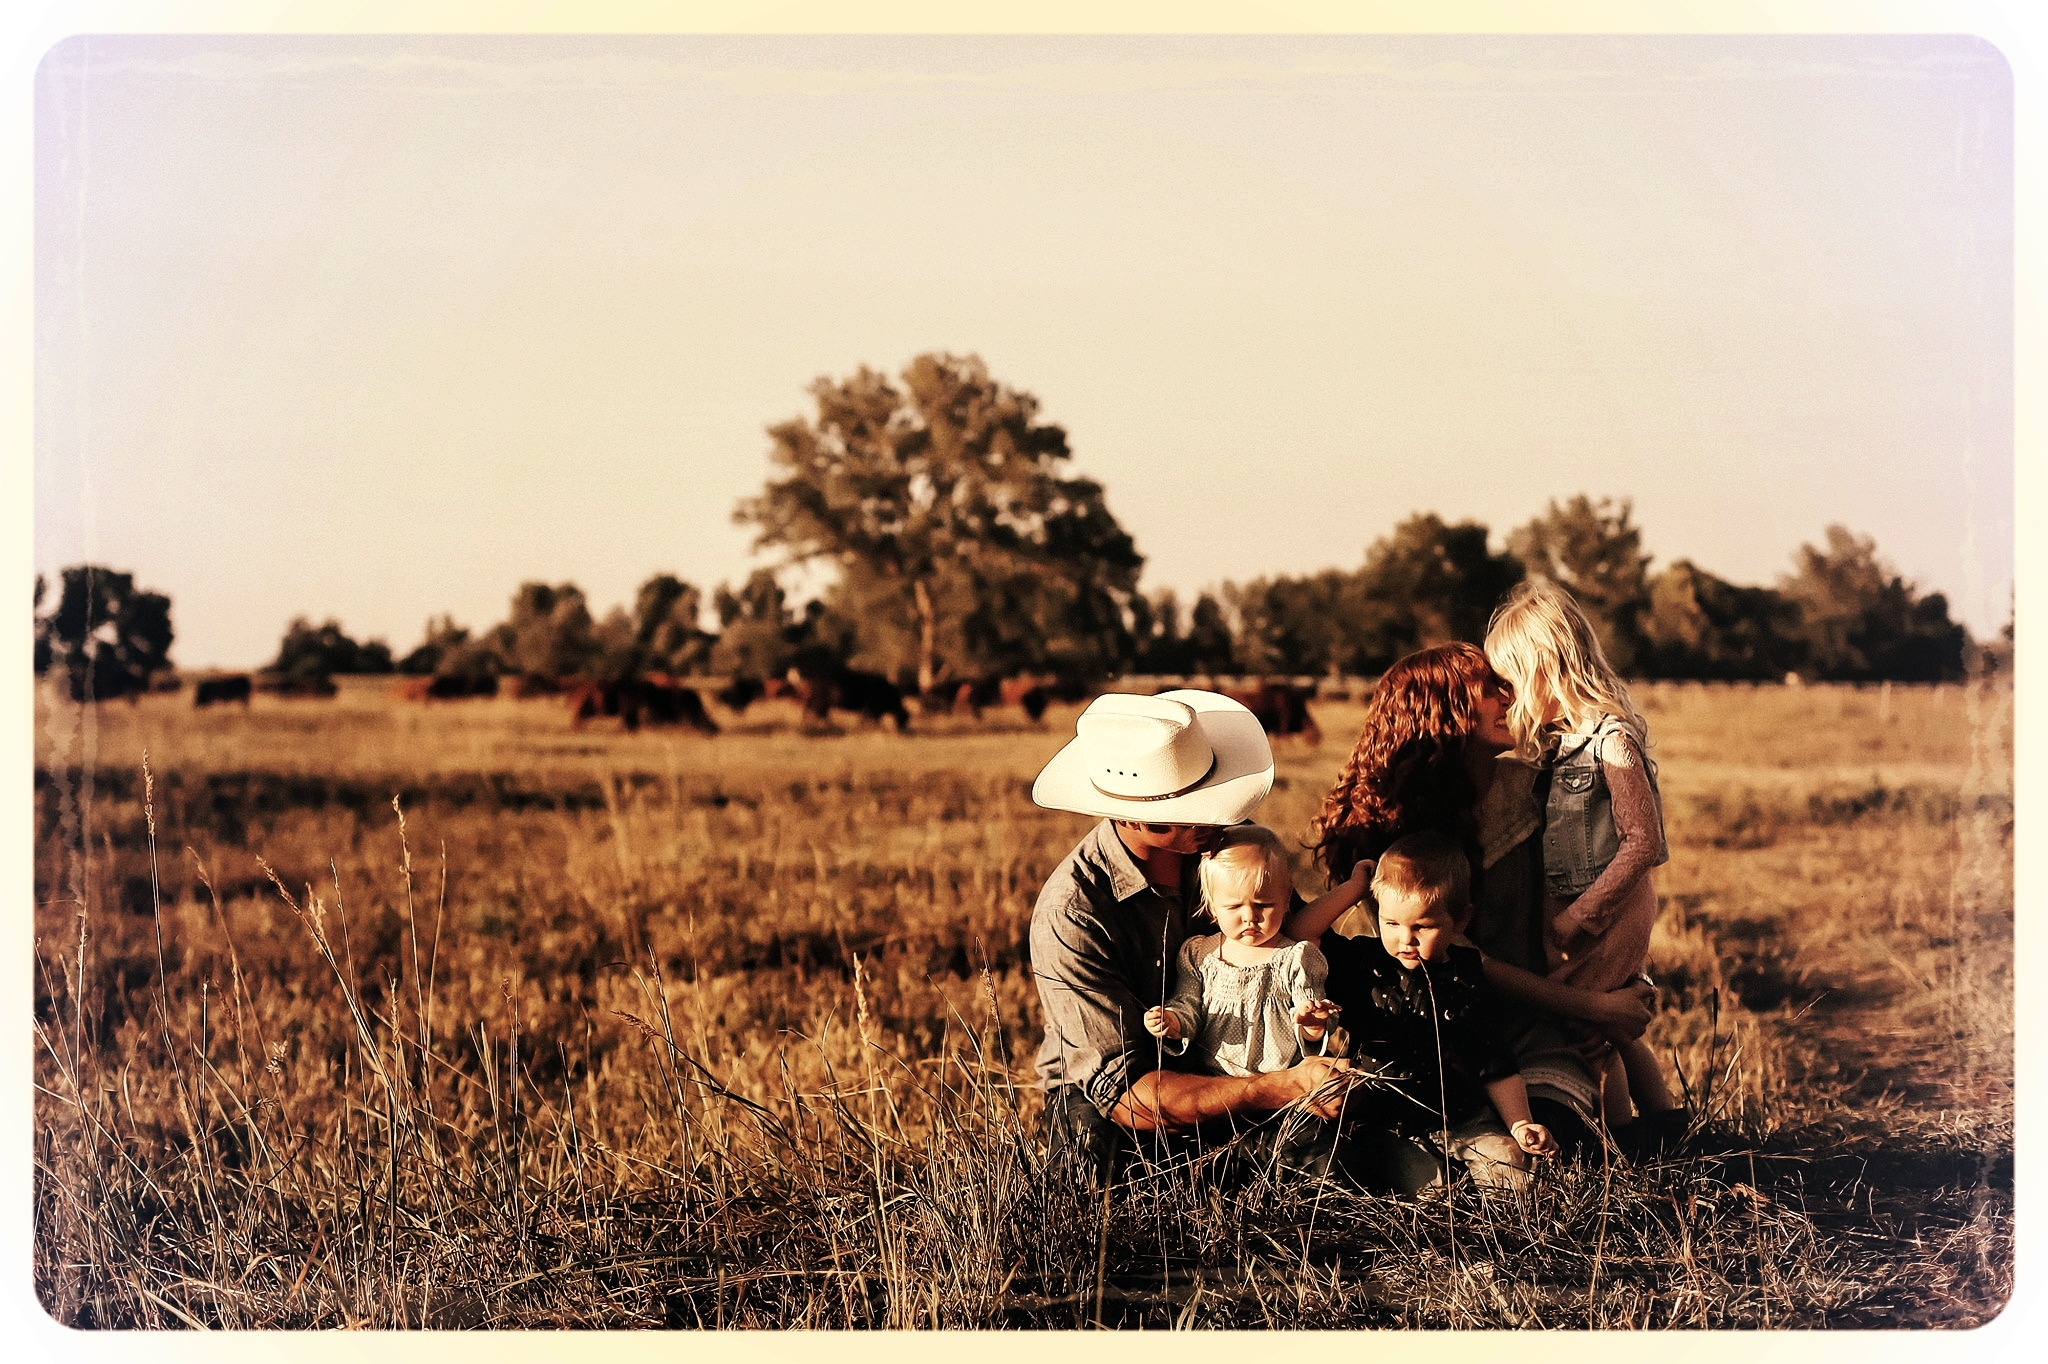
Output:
[[1407, 772]]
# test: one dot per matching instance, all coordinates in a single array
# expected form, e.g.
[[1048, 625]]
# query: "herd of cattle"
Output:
[[656, 699]]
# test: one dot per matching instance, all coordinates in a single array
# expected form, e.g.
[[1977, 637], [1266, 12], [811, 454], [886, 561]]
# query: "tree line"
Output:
[[964, 549]]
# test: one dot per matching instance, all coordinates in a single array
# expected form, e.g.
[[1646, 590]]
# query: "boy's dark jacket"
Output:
[[1388, 1012]]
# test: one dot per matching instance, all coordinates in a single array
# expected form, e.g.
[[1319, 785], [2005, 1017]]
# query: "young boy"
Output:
[[1417, 1005]]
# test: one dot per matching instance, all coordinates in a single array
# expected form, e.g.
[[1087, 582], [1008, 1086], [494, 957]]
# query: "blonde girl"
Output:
[[1603, 826], [1246, 998]]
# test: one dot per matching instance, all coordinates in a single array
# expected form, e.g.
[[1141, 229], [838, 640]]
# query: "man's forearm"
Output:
[[1176, 1101]]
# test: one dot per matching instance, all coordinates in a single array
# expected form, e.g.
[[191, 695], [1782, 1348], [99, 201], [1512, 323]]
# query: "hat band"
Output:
[[1117, 795]]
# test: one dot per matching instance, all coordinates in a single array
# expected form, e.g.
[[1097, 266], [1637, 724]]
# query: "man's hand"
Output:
[[1324, 1081], [1162, 1022], [1179, 1101]]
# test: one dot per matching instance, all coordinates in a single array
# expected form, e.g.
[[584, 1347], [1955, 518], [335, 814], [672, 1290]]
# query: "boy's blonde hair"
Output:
[[1429, 867], [1248, 857], [1542, 644]]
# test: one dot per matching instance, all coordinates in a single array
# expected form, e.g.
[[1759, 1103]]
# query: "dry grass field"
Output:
[[357, 1013]]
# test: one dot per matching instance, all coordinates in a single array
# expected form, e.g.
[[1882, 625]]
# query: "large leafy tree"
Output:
[[1594, 550], [1210, 645], [108, 636], [944, 503]]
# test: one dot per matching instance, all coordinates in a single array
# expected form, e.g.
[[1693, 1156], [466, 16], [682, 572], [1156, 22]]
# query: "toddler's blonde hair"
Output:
[[1543, 645], [1248, 857]]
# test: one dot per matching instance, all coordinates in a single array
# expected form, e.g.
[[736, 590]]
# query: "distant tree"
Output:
[[666, 629], [1698, 626], [1427, 583], [1862, 622], [943, 504], [550, 632], [318, 651], [1298, 625], [443, 637], [1155, 632], [609, 652], [757, 630], [474, 660], [1210, 646], [1182, 644], [109, 638], [1594, 551]]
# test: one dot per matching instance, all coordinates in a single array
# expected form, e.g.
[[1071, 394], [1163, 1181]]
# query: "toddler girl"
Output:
[[1245, 999], [1603, 825]]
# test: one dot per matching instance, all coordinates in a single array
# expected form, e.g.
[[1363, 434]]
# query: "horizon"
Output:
[[708, 618]]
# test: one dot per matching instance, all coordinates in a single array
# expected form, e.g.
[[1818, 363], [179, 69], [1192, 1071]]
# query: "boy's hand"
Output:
[[1314, 1016], [1162, 1022], [1534, 1138]]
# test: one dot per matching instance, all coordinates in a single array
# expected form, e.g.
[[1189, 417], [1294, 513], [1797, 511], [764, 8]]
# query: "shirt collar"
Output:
[[1126, 877]]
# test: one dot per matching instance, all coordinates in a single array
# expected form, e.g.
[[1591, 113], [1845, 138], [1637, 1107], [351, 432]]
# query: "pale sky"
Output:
[[377, 328]]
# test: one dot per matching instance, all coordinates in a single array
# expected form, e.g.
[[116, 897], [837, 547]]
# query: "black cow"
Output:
[[636, 701], [740, 693], [1282, 709], [455, 686], [868, 694], [294, 684], [221, 690]]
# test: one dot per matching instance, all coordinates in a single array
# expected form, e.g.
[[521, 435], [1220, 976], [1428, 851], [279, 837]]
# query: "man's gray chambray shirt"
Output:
[[1102, 939]]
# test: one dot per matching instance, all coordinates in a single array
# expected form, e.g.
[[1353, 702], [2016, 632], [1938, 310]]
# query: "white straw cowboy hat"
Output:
[[1183, 757]]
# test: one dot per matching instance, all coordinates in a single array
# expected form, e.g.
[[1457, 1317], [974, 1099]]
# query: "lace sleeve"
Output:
[[1639, 827]]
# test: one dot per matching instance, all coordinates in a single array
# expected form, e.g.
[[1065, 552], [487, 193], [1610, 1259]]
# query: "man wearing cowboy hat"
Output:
[[1165, 773]]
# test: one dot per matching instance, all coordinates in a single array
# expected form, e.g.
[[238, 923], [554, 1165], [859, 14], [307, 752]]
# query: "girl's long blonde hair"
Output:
[[1542, 643]]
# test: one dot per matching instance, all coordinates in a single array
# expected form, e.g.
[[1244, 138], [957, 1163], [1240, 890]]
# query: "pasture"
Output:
[[357, 1012]]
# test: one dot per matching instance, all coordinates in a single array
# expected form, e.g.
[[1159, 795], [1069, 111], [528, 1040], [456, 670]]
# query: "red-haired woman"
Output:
[[1435, 754]]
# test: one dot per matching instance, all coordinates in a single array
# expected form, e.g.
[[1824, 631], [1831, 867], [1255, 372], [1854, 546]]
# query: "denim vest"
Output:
[[1579, 838]]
